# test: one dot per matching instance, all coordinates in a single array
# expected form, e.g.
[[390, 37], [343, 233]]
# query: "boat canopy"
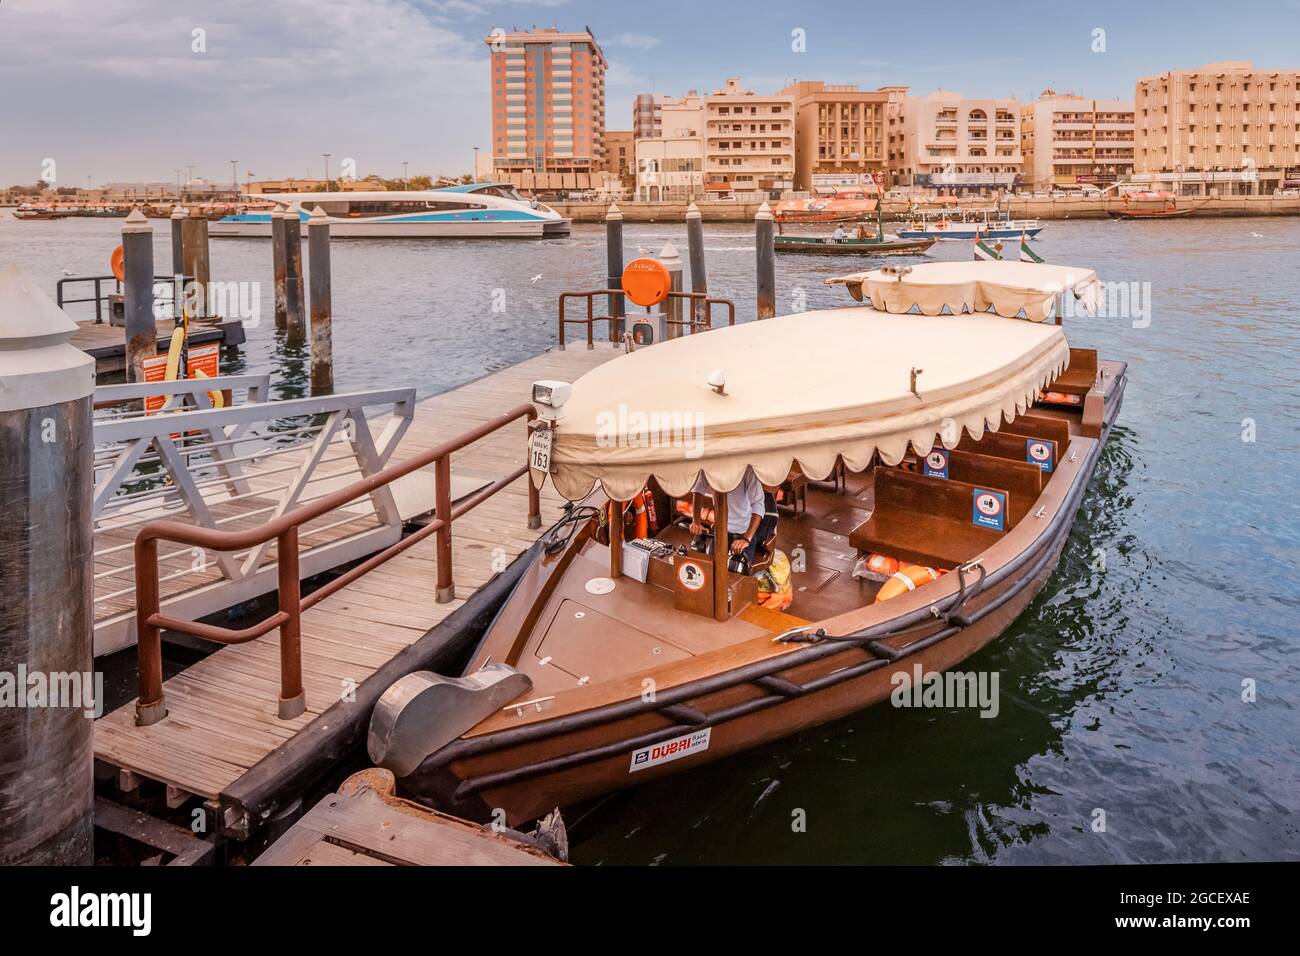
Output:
[[803, 389], [1009, 288]]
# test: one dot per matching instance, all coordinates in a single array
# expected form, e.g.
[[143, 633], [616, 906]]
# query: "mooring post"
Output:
[[178, 240], [322, 348], [695, 253], [46, 484], [671, 308], [295, 322], [280, 266], [137, 293], [614, 261], [765, 250], [197, 262]]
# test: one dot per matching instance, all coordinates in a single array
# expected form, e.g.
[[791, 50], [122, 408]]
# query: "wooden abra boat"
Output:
[[956, 444], [871, 246], [1141, 206]]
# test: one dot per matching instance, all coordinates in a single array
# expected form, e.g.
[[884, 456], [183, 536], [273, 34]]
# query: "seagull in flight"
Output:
[[535, 278]]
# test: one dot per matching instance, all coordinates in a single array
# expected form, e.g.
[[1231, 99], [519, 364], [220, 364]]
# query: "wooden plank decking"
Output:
[[106, 343], [364, 824], [222, 711]]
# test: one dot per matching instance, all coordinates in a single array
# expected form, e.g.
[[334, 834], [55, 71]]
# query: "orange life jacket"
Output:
[[908, 579]]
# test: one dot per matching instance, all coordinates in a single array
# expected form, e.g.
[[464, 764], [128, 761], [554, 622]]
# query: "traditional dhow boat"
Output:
[[870, 246], [928, 469], [1151, 205]]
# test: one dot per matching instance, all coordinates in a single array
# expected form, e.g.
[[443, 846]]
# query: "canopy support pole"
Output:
[[616, 539], [721, 551]]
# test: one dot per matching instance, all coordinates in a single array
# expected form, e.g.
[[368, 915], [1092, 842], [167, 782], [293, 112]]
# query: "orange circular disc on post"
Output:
[[646, 281], [115, 264]]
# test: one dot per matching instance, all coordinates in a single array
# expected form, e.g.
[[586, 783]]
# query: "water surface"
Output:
[[1121, 686]]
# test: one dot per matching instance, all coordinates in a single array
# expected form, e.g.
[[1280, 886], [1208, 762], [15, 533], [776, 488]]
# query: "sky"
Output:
[[134, 90]]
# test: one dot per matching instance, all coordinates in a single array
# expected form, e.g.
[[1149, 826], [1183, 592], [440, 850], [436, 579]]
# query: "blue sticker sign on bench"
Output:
[[1039, 452], [989, 509], [936, 464]]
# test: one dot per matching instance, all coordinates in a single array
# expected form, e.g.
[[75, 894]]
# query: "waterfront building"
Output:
[[647, 114], [1224, 127], [949, 143], [670, 164], [839, 134], [620, 153], [748, 141], [548, 103], [1069, 140]]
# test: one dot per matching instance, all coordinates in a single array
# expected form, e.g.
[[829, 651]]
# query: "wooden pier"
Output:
[[106, 343], [223, 735], [365, 824]]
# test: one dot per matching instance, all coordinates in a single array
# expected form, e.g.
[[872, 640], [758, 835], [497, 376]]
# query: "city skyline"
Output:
[[146, 88]]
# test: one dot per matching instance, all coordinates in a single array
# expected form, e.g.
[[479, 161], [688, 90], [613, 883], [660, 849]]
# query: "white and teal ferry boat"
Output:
[[474, 210]]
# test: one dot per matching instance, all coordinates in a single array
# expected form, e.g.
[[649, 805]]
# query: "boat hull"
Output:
[[969, 234], [1155, 214], [354, 229], [851, 247], [532, 766]]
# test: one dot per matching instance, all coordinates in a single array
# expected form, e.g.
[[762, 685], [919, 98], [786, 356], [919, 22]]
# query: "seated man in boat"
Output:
[[839, 235], [862, 232], [746, 512]]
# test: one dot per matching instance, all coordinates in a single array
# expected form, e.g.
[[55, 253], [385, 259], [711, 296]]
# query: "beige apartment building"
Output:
[[1224, 127], [1069, 141], [839, 134], [620, 153], [670, 164], [548, 102], [748, 141], [948, 143]]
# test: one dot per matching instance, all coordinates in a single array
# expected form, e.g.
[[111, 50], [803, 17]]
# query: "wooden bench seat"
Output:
[[1046, 427], [1023, 480], [1009, 446], [1079, 376], [924, 520]]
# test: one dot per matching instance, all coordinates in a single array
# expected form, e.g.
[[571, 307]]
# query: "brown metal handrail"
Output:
[[695, 323], [150, 623]]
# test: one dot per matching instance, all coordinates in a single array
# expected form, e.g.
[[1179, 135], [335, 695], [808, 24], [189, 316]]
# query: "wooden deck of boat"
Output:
[[365, 825], [222, 710]]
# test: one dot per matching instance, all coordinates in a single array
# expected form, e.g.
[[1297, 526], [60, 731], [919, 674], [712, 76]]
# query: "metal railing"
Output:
[[220, 467], [100, 297], [283, 530], [700, 306]]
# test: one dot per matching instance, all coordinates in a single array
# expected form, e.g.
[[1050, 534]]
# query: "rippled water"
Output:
[[1121, 686]]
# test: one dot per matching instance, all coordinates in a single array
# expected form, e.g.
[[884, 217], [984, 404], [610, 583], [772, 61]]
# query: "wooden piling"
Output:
[[137, 283], [197, 262], [178, 240], [295, 321], [322, 347], [671, 308], [280, 267], [695, 255], [614, 261], [765, 255]]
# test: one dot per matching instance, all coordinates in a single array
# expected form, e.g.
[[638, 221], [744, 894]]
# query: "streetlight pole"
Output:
[[327, 171], [234, 175], [475, 164], [406, 180]]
